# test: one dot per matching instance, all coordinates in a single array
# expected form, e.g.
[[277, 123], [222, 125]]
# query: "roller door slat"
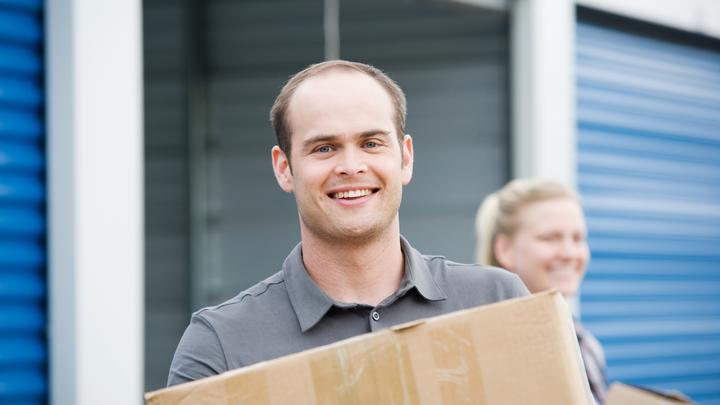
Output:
[[21, 188], [636, 330], [20, 157], [22, 222], [646, 287], [29, 5], [19, 60], [16, 318], [666, 370], [603, 183], [21, 287], [19, 91], [630, 353], [24, 384], [611, 308], [17, 124], [649, 268], [21, 254], [22, 351], [20, 27]]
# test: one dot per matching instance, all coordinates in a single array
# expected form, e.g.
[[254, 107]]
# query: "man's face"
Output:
[[347, 166]]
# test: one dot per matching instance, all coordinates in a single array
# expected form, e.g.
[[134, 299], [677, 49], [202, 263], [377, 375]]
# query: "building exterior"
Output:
[[134, 173]]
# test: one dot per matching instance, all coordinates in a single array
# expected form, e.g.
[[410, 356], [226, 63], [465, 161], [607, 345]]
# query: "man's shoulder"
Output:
[[269, 290], [437, 263], [475, 283]]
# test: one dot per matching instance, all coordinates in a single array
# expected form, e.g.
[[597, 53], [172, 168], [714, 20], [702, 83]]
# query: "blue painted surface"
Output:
[[649, 172], [19, 60], [19, 25], [33, 5], [23, 290], [19, 92], [20, 124]]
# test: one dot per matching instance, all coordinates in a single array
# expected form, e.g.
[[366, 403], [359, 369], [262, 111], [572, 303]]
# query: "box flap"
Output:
[[624, 394]]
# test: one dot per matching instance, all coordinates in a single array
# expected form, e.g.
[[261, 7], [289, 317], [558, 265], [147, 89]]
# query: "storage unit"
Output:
[[649, 172], [23, 352]]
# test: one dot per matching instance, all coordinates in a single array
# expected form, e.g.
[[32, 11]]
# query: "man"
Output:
[[343, 153]]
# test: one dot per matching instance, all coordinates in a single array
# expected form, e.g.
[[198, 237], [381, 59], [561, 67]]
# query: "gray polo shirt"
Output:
[[288, 313]]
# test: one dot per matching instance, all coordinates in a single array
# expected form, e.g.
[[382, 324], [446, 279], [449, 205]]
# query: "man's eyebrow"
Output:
[[372, 132], [330, 138], [319, 139]]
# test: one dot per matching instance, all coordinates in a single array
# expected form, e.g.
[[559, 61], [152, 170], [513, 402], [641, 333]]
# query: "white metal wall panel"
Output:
[[649, 172]]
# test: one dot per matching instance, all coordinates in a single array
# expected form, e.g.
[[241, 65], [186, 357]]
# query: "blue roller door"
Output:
[[649, 172], [23, 348]]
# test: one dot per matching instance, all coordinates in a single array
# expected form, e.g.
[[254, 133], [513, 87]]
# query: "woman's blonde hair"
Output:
[[498, 212]]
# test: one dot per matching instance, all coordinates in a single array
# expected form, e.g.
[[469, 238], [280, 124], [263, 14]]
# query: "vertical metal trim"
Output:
[[196, 99], [332, 29]]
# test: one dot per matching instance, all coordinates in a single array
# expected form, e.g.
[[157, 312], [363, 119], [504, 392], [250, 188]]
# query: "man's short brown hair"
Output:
[[279, 114]]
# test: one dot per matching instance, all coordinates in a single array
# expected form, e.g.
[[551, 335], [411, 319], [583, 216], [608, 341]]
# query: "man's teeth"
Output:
[[352, 193]]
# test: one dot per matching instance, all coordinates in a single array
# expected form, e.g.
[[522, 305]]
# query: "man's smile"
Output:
[[352, 193]]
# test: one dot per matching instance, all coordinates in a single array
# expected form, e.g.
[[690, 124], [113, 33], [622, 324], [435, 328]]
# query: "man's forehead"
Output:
[[335, 81], [329, 90]]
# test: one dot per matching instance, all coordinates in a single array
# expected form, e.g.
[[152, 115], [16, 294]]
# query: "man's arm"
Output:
[[198, 355]]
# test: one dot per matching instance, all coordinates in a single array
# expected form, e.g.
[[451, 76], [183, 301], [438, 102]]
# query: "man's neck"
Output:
[[364, 273]]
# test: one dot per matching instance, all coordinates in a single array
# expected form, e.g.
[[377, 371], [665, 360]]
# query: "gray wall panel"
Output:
[[167, 300]]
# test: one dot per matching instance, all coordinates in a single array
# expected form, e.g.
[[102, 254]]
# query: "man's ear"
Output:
[[503, 249], [281, 167], [407, 167]]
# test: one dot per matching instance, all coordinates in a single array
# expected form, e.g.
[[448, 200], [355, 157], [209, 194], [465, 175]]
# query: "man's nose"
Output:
[[351, 163]]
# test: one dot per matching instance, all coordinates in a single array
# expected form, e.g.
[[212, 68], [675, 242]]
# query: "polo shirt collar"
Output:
[[418, 272], [308, 300], [311, 303]]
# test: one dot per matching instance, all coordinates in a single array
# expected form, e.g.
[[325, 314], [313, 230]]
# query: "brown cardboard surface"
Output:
[[519, 351], [622, 394]]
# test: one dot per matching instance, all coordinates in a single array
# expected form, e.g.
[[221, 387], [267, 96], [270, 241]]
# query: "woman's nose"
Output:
[[570, 248]]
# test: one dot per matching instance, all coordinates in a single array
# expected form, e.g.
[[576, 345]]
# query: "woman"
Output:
[[535, 228]]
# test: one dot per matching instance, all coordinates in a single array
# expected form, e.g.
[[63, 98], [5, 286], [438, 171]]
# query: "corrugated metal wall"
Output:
[[649, 172], [167, 269], [253, 47], [23, 349]]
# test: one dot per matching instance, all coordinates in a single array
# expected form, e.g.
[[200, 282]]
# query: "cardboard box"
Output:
[[519, 351], [622, 394]]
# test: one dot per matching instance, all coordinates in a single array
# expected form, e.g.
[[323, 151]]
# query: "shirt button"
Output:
[[376, 316]]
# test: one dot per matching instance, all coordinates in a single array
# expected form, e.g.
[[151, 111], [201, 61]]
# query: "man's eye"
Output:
[[324, 149], [371, 145]]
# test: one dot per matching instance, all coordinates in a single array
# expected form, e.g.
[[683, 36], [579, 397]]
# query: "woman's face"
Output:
[[549, 248]]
